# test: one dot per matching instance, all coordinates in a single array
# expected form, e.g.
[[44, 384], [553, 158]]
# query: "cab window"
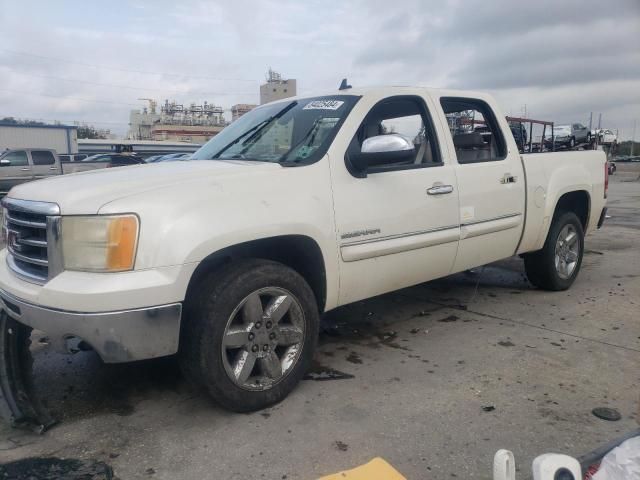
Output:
[[474, 130]]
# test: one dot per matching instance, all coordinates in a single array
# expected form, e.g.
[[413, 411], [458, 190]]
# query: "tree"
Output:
[[90, 132]]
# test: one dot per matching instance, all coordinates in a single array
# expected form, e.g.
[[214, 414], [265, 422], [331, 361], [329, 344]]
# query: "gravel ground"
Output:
[[433, 378]]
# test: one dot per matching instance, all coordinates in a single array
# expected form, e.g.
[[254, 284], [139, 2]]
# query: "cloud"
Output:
[[563, 59]]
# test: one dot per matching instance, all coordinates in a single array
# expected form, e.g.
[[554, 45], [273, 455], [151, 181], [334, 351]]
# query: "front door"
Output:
[[491, 183], [398, 226], [14, 169]]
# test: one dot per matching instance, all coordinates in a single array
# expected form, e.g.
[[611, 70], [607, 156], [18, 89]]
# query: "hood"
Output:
[[85, 192]]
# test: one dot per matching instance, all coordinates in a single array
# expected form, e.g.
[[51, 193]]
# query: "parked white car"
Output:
[[298, 207], [606, 136]]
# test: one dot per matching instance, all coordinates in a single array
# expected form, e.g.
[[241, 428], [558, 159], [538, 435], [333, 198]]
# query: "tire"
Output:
[[249, 334], [543, 269], [572, 142], [588, 138]]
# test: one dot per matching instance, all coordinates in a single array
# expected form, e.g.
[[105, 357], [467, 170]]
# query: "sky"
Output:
[[92, 61]]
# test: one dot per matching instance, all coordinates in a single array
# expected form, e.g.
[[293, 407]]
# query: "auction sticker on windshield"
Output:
[[324, 105]]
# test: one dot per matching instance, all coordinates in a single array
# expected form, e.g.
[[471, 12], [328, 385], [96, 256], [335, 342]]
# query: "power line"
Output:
[[175, 92], [90, 100], [109, 67], [70, 98]]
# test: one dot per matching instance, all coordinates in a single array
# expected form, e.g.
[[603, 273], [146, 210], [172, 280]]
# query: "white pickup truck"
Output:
[[298, 207]]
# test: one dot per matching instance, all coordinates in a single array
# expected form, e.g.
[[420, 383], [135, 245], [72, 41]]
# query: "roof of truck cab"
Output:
[[382, 91]]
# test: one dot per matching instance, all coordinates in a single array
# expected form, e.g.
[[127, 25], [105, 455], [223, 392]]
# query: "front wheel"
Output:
[[250, 334], [572, 142], [556, 266]]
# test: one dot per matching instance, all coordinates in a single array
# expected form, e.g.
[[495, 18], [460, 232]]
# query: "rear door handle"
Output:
[[25, 169], [440, 189], [508, 178], [53, 168]]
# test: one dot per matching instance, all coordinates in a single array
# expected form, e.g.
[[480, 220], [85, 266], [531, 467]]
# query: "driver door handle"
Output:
[[440, 189], [25, 169], [508, 178]]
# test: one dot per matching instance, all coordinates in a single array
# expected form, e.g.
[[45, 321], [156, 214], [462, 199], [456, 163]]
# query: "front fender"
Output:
[[186, 224]]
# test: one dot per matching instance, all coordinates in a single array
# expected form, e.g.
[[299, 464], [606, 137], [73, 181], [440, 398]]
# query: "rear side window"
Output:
[[16, 159], [474, 130], [42, 157]]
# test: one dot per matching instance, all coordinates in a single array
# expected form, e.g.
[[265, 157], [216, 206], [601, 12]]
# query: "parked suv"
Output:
[[570, 135], [75, 157], [115, 159]]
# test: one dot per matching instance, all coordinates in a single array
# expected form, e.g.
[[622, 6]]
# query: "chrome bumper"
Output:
[[121, 336]]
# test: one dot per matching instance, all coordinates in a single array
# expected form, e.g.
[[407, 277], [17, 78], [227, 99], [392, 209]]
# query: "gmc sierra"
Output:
[[298, 207]]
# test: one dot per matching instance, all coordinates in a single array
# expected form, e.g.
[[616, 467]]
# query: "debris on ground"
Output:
[[343, 447], [321, 373], [606, 413], [18, 403], [488, 408], [56, 469], [353, 357]]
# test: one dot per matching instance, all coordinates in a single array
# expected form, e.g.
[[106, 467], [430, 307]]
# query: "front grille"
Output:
[[28, 226]]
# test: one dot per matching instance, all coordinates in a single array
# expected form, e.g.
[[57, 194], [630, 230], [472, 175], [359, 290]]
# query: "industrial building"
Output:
[[276, 88], [176, 122], [240, 109]]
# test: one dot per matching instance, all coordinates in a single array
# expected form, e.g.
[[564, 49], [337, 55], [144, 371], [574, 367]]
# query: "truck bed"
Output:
[[557, 173]]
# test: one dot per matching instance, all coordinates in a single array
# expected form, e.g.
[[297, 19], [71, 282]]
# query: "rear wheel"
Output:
[[556, 266], [250, 333]]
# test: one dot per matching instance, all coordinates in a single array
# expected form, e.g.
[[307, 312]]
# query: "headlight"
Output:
[[99, 243]]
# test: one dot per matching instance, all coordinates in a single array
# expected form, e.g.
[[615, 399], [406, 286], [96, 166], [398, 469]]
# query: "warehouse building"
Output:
[[62, 138]]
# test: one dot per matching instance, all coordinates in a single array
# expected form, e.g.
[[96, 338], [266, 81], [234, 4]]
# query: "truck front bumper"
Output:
[[117, 336]]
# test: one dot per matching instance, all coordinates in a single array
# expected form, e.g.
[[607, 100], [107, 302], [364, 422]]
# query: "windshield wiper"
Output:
[[257, 128]]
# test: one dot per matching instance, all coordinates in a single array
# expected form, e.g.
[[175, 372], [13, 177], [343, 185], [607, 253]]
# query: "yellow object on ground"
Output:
[[376, 469]]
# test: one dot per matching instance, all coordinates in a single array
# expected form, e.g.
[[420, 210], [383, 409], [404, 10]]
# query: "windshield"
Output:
[[562, 129], [298, 131], [96, 158]]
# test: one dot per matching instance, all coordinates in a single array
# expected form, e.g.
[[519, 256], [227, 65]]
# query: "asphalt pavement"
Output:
[[434, 379]]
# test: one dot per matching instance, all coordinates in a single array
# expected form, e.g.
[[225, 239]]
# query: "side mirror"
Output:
[[382, 150], [5, 162]]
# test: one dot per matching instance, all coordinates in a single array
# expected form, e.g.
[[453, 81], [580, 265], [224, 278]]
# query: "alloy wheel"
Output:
[[263, 338], [567, 252]]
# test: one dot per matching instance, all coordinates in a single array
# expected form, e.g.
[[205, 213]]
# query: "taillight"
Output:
[[606, 178]]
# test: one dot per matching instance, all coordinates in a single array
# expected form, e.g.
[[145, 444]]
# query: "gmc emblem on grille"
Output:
[[13, 238]]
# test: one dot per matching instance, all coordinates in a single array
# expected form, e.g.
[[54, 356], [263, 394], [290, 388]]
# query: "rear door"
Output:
[[44, 163], [15, 168], [491, 184], [398, 225]]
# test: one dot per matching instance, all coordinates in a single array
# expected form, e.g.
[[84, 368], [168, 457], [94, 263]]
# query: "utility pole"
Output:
[[633, 138], [599, 121], [590, 120]]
